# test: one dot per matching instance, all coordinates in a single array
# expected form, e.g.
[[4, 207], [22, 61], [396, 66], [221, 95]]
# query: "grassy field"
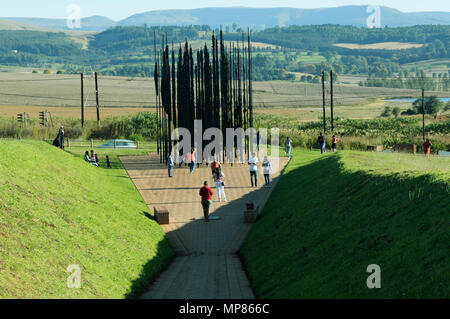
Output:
[[57, 210], [45, 91], [331, 216], [379, 46]]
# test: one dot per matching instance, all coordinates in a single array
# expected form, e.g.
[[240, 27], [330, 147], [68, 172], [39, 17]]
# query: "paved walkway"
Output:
[[206, 266]]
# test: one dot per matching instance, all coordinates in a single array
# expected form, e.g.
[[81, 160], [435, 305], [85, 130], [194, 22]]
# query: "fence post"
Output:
[[92, 144], [68, 143], [114, 144], [137, 142]]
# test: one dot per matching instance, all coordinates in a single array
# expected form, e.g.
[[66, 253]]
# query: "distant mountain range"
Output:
[[254, 18]]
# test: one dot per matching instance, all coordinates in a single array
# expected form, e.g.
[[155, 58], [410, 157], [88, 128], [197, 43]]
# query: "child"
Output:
[[334, 141]]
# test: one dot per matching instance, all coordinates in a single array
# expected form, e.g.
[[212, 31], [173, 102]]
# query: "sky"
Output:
[[120, 9]]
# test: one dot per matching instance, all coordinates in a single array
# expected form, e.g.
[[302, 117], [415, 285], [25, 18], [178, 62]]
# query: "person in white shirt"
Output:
[[267, 169], [220, 185], [253, 161]]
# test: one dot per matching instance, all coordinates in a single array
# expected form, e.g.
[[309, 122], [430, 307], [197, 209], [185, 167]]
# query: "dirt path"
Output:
[[206, 265]]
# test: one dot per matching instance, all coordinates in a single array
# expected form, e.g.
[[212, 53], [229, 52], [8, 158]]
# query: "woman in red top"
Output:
[[206, 194], [427, 147]]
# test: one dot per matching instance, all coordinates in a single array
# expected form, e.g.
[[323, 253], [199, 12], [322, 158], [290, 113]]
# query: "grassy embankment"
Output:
[[57, 210], [332, 216]]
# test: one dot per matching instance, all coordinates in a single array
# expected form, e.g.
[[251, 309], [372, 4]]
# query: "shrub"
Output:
[[396, 111], [136, 137], [387, 112]]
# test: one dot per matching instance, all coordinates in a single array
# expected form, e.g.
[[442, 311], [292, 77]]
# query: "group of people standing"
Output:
[[206, 192]]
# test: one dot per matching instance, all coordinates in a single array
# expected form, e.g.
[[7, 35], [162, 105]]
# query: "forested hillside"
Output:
[[281, 52]]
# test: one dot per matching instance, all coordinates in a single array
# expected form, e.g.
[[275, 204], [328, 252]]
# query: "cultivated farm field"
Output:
[[60, 94]]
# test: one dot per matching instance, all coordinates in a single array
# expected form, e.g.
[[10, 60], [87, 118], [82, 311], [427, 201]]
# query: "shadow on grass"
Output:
[[334, 222]]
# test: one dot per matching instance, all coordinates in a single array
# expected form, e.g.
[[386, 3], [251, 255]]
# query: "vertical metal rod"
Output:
[[323, 101], [96, 97], [332, 115], [82, 101], [423, 114]]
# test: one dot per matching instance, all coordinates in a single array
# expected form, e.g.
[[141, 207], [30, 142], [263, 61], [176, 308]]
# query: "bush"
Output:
[[136, 137], [409, 112], [387, 112], [396, 111]]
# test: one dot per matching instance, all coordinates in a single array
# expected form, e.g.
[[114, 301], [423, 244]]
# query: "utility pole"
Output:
[[323, 101], [82, 101], [423, 114], [331, 84], [96, 96]]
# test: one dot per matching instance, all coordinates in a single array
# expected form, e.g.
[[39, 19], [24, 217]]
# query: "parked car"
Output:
[[118, 144]]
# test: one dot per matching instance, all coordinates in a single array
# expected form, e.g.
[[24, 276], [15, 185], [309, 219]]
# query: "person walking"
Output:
[[266, 169], [288, 147], [427, 147], [170, 164], [253, 161], [206, 195], [334, 141], [191, 160], [108, 163], [321, 142], [220, 184]]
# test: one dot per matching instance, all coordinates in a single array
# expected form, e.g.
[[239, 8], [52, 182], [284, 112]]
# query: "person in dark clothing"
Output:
[[108, 163], [321, 142], [61, 137], [206, 195], [86, 156], [96, 158], [56, 142]]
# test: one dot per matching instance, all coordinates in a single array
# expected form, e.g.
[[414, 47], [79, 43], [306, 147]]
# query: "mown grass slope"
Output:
[[57, 210], [331, 216]]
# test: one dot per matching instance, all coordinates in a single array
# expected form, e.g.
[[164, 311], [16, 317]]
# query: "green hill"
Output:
[[57, 210], [332, 216]]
